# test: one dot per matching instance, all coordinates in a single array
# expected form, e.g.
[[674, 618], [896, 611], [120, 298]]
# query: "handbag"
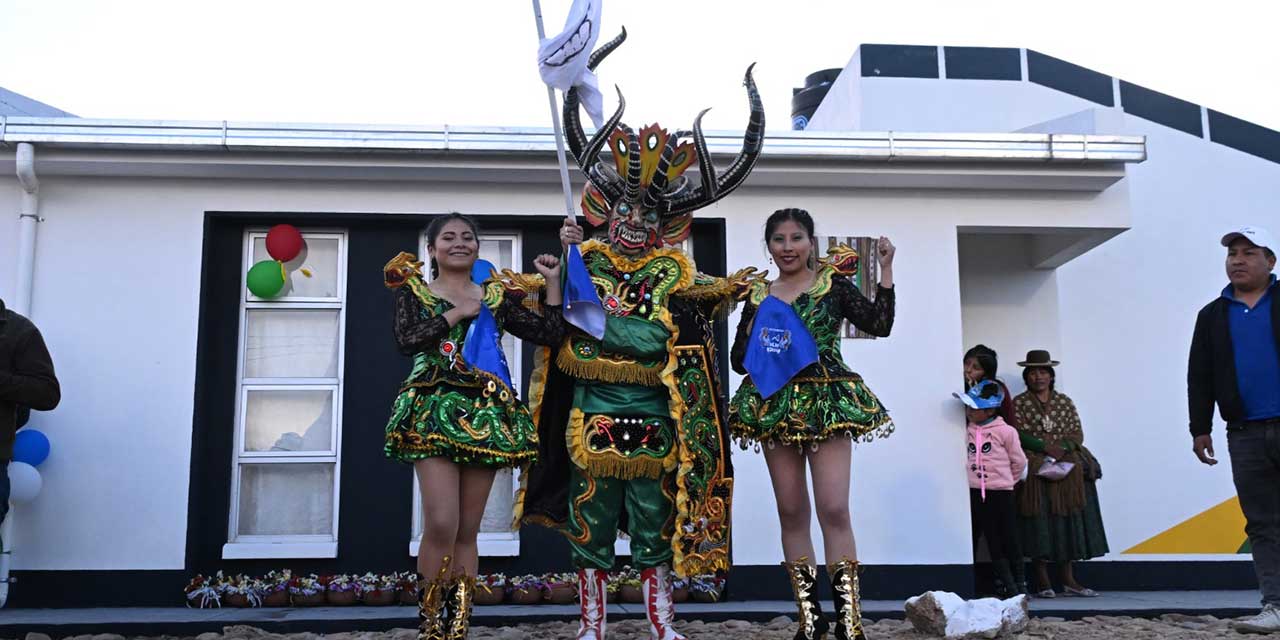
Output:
[[1054, 469]]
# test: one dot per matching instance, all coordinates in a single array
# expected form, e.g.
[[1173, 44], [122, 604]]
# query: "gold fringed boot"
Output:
[[848, 599], [804, 585], [461, 593], [431, 597]]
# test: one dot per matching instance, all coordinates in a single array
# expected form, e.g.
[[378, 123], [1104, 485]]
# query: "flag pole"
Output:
[[559, 131]]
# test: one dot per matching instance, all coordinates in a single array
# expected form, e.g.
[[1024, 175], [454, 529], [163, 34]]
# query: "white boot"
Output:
[[655, 584], [593, 600], [1267, 621]]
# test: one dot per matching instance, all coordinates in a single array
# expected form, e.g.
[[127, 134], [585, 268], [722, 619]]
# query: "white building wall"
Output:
[[117, 281], [9, 194], [1127, 307]]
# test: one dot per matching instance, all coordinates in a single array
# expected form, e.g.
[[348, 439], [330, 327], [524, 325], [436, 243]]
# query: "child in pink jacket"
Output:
[[995, 464]]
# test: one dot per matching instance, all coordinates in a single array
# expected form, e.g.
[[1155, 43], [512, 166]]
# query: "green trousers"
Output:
[[595, 504]]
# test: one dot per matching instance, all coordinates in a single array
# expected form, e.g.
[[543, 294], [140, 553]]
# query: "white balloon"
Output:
[[24, 482]]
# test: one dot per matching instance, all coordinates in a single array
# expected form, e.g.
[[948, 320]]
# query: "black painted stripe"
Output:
[[1244, 136], [983, 63], [1161, 108], [1069, 78], [898, 61]]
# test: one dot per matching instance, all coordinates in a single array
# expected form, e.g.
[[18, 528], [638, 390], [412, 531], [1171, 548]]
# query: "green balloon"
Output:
[[266, 279]]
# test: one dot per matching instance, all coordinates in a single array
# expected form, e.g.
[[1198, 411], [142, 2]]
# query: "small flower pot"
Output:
[[276, 599], [562, 594], [706, 596], [680, 595], [308, 600], [235, 600], [341, 598], [379, 597], [526, 595], [408, 595], [631, 593], [486, 595], [612, 597]]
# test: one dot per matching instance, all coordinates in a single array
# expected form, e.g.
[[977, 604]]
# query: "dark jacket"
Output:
[[1211, 370], [27, 380]]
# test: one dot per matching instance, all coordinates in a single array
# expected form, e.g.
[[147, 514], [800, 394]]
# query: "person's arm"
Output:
[[1200, 378], [738, 352], [1017, 458], [547, 329], [31, 382], [414, 330], [875, 318]]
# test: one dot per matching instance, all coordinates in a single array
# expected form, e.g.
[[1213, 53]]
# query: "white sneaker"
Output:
[[1267, 621]]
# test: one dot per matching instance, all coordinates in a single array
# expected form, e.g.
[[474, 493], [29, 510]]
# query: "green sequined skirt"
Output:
[[808, 410], [482, 426]]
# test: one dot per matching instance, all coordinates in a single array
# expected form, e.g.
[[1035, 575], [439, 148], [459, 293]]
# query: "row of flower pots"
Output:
[[283, 589]]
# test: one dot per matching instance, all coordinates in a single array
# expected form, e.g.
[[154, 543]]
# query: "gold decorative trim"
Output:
[[605, 369]]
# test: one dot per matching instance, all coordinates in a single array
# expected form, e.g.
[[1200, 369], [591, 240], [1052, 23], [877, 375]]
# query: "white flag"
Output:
[[562, 58]]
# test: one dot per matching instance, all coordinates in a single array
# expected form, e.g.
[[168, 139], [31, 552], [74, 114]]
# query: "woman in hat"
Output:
[[1060, 519], [808, 409]]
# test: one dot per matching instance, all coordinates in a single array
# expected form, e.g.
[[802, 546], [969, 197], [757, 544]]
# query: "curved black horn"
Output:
[[587, 157], [633, 165], [573, 132], [658, 182], [752, 143]]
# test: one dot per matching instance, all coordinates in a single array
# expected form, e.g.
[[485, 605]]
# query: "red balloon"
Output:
[[284, 242]]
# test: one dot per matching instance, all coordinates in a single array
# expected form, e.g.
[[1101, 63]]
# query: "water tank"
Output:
[[805, 100]]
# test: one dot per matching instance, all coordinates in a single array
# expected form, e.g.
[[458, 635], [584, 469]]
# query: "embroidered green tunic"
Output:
[[826, 398], [447, 409]]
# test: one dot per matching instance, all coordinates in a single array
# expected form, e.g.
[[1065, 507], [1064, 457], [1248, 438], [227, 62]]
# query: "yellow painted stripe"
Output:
[[1217, 530]]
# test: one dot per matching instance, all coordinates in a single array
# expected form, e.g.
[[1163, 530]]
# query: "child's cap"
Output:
[[984, 395]]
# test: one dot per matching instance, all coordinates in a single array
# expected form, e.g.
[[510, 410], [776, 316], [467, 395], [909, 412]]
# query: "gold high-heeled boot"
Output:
[[846, 590], [461, 593], [431, 596], [804, 585]]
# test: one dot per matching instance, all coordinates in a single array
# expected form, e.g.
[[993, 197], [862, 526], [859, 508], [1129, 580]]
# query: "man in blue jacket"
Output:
[[1235, 363]]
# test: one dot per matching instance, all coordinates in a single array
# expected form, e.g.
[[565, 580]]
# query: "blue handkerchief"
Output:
[[581, 304], [482, 347], [780, 346]]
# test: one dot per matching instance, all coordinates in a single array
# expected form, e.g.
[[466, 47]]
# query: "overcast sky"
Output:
[[468, 63]]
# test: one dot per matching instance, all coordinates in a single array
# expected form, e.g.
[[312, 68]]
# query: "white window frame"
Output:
[[287, 546], [489, 543]]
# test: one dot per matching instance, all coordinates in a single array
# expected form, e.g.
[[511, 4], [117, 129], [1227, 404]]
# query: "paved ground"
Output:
[[1183, 615]]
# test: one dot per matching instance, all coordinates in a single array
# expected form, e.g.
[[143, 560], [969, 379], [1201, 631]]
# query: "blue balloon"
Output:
[[31, 447], [481, 270]]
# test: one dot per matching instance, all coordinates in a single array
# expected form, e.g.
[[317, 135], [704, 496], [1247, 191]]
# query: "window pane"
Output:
[[499, 510], [319, 256], [286, 499], [278, 420], [300, 343], [497, 251]]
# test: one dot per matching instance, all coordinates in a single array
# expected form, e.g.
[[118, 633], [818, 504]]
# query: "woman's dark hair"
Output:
[[986, 357], [1026, 376], [798, 216], [437, 225]]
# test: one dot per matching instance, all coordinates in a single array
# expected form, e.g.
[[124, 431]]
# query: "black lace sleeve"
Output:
[[875, 318], [547, 329], [738, 352], [414, 329]]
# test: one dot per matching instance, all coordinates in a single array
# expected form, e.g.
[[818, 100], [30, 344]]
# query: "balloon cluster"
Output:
[[285, 245], [30, 448]]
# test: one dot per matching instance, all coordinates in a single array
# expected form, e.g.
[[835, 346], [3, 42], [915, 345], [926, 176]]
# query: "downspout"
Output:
[[28, 216]]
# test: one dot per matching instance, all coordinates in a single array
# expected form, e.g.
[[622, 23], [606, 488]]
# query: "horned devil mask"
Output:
[[644, 197]]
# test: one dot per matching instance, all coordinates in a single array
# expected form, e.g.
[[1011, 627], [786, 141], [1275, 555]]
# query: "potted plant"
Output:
[[275, 588], [204, 593], [629, 585], [706, 588], [560, 588], [242, 591], [342, 591], [525, 589], [680, 590], [306, 592], [613, 588], [490, 589], [407, 587], [376, 590]]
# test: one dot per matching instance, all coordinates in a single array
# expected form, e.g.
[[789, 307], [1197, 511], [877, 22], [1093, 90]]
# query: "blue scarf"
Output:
[[780, 346]]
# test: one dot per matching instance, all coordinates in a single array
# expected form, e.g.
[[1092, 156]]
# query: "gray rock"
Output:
[[37, 636]]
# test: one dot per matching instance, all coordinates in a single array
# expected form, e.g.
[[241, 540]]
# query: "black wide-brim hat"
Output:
[[1039, 358]]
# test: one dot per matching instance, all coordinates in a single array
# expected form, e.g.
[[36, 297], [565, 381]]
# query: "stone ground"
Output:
[[1167, 627]]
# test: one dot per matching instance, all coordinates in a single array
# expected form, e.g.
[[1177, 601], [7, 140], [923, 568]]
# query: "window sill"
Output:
[[265, 550], [489, 545]]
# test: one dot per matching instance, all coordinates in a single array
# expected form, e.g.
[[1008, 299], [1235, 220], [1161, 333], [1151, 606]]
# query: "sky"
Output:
[[472, 63]]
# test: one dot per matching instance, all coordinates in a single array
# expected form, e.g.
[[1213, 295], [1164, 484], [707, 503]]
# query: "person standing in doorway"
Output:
[[1235, 364]]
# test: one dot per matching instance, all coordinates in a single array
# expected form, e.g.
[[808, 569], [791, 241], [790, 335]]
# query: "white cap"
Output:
[[1257, 235]]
